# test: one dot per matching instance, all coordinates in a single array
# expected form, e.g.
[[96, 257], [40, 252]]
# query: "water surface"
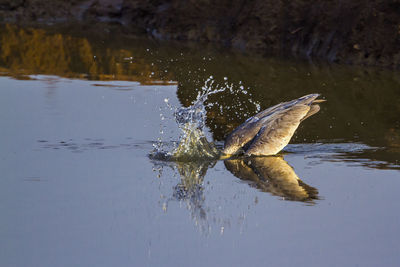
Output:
[[79, 114]]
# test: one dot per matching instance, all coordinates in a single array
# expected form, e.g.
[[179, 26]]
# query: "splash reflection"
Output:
[[190, 190], [272, 175]]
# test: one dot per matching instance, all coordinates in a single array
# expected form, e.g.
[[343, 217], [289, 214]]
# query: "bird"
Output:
[[270, 130]]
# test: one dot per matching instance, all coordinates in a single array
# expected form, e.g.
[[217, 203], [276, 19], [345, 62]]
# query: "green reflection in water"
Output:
[[37, 51], [363, 104]]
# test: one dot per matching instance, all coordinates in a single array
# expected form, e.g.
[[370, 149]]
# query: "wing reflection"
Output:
[[273, 175]]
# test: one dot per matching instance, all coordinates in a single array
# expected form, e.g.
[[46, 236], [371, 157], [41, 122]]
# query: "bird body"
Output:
[[269, 131]]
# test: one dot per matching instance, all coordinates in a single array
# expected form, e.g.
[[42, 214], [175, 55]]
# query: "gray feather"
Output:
[[267, 132]]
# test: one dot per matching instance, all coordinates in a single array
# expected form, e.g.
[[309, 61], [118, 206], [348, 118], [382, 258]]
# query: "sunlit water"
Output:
[[80, 185]]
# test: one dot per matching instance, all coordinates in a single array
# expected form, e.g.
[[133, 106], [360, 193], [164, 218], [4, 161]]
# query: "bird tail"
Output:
[[313, 109]]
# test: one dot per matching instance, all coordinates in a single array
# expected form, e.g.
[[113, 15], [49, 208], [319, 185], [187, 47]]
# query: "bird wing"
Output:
[[241, 136], [248, 130], [277, 130], [304, 100]]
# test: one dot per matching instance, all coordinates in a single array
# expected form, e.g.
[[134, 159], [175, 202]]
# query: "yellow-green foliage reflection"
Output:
[[35, 51]]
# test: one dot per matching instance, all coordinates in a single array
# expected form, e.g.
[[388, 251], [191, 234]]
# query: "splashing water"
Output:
[[193, 144], [191, 120]]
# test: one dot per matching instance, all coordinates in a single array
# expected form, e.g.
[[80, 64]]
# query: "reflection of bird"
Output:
[[269, 131], [273, 175]]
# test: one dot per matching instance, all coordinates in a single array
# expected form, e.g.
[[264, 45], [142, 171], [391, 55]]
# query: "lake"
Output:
[[81, 113]]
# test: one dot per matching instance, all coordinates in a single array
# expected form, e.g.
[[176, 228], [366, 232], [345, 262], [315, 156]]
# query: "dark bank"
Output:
[[349, 32]]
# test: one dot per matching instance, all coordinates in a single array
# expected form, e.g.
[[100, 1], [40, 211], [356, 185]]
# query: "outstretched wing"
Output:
[[277, 130]]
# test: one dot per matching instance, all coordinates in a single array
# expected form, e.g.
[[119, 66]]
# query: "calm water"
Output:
[[79, 114]]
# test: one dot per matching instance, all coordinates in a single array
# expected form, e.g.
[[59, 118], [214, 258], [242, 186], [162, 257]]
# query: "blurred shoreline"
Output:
[[347, 32]]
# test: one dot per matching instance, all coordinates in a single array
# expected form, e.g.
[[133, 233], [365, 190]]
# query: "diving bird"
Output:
[[269, 131]]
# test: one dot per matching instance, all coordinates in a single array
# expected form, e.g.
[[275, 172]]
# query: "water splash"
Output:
[[191, 120], [193, 144]]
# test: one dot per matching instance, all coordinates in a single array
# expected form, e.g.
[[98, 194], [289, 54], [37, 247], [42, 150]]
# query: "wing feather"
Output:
[[277, 130], [248, 131]]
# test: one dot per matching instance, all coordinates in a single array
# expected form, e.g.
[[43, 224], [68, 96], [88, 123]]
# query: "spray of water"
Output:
[[191, 120], [193, 144]]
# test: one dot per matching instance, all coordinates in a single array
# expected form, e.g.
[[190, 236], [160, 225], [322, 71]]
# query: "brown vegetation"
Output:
[[35, 51]]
